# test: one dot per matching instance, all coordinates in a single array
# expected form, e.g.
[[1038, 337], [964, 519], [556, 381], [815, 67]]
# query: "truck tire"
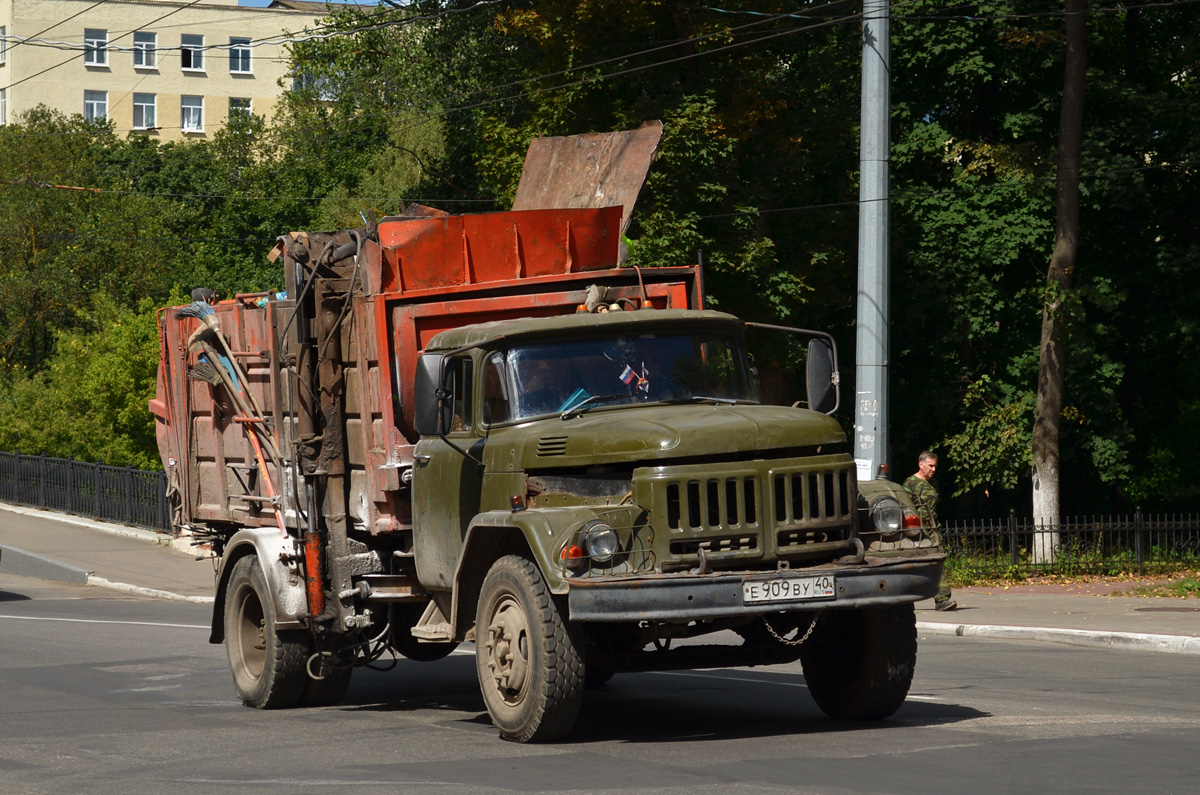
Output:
[[861, 663], [267, 665], [527, 656], [330, 689]]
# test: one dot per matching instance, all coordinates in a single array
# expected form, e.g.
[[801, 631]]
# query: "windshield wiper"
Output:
[[591, 401], [705, 399]]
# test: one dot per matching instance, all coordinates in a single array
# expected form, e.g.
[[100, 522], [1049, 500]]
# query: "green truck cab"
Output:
[[622, 491]]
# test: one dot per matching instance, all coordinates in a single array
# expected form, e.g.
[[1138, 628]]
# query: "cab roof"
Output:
[[579, 324]]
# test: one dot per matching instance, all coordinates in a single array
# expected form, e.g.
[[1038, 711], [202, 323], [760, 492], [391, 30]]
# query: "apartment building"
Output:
[[170, 69]]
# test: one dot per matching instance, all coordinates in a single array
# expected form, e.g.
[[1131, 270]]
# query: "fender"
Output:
[[283, 580], [539, 532]]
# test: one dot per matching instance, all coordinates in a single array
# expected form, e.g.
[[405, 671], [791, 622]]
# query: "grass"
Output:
[[1172, 583], [1077, 562], [1176, 589]]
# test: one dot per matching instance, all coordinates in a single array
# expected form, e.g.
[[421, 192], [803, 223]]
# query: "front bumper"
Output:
[[876, 582]]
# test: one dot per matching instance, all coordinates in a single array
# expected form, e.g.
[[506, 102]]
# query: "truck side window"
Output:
[[495, 403], [463, 372]]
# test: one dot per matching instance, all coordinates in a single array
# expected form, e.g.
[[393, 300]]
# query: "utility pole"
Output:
[[871, 447]]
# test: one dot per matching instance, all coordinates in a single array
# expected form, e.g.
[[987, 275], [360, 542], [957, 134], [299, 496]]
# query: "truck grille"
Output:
[[725, 503], [812, 507], [752, 510], [723, 544]]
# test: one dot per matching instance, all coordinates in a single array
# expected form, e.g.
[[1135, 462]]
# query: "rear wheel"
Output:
[[528, 658], [860, 664], [331, 688], [267, 665]]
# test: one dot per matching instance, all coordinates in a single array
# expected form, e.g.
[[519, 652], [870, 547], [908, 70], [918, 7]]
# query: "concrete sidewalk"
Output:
[[144, 563], [1063, 614], [54, 546]]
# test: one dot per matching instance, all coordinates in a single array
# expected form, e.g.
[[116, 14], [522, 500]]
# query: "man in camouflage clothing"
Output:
[[925, 495]]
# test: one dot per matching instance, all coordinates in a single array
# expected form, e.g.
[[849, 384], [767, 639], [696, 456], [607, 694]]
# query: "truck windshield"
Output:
[[568, 376]]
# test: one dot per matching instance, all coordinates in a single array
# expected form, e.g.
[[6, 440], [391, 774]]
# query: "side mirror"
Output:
[[430, 411], [821, 376]]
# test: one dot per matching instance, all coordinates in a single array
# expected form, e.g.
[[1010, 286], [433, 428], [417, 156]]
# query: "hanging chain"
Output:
[[796, 641]]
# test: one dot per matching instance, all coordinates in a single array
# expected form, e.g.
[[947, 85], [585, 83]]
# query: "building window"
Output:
[[239, 107], [3, 106], [192, 114], [304, 82], [192, 46], [95, 105], [145, 50], [239, 56], [95, 47], [144, 115]]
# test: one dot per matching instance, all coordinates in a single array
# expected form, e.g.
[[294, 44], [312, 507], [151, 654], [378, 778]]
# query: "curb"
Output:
[[153, 593], [1131, 641], [20, 563]]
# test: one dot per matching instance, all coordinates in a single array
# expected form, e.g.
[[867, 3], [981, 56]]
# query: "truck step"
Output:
[[437, 632], [394, 588]]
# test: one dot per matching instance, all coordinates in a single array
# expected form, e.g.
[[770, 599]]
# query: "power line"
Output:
[[35, 183], [252, 43], [898, 198], [725, 31], [914, 195], [388, 115], [69, 60], [19, 42], [431, 115]]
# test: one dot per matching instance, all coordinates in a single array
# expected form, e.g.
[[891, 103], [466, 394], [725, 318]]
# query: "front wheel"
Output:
[[528, 658], [267, 665], [860, 664]]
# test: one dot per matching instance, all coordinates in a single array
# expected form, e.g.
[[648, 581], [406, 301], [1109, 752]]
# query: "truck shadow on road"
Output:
[[744, 711], [670, 706]]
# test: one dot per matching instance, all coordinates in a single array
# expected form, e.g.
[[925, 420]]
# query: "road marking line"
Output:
[[104, 621]]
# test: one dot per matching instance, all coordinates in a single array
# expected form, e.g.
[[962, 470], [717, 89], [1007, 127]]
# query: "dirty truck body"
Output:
[[479, 428]]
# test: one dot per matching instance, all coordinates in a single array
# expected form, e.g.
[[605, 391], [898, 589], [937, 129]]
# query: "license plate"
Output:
[[788, 589]]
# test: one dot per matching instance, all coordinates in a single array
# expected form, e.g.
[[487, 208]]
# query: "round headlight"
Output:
[[600, 541], [887, 515]]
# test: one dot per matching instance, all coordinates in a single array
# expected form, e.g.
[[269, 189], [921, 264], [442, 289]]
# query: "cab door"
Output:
[[446, 482]]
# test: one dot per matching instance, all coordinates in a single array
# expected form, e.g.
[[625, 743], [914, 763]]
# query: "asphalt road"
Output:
[[105, 693]]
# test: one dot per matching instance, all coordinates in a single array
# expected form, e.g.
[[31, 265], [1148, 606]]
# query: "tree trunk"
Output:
[[1048, 415]]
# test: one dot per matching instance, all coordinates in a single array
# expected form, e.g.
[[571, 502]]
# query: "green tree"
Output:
[[90, 400], [976, 128], [68, 233]]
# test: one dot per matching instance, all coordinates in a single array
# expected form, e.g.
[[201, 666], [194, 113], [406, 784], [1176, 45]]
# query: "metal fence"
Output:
[[1106, 545], [118, 494], [981, 548]]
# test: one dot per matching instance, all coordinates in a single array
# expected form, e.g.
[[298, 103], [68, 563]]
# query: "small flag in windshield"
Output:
[[629, 375]]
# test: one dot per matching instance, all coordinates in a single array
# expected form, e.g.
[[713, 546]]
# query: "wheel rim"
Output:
[[508, 649], [250, 633]]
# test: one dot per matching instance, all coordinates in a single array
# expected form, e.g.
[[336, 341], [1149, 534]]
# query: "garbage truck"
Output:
[[485, 429]]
